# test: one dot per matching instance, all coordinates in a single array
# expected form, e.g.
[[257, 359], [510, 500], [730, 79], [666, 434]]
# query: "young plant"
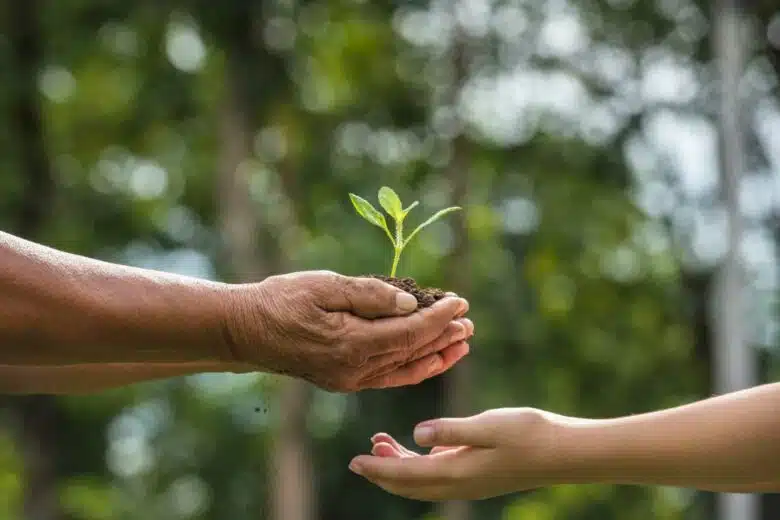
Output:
[[391, 203]]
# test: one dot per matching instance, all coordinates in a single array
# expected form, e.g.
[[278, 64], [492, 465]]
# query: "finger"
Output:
[[385, 438], [468, 324], [382, 437], [388, 439], [450, 357], [467, 431], [420, 370], [455, 295], [441, 449], [455, 332], [410, 333], [384, 449], [388, 362], [365, 297]]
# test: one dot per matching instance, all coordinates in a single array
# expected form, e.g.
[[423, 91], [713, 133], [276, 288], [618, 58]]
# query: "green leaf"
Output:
[[430, 221], [411, 207], [389, 200], [370, 213]]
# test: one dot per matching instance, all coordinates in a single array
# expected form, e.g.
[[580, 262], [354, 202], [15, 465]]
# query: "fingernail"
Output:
[[468, 324], [405, 302], [464, 306], [355, 467], [460, 332], [423, 434]]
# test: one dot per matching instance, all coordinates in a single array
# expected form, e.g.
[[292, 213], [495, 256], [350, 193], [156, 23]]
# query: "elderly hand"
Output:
[[494, 453], [345, 334]]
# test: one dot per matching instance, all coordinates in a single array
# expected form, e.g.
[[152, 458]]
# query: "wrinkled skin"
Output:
[[345, 334]]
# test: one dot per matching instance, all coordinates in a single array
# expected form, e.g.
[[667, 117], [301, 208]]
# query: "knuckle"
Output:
[[456, 331], [428, 368], [322, 273], [442, 432], [331, 277], [495, 414], [349, 290], [350, 284], [273, 279], [323, 282], [337, 324], [372, 286]]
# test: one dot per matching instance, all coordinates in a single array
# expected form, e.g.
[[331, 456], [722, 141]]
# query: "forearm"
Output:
[[87, 379], [57, 309], [729, 443]]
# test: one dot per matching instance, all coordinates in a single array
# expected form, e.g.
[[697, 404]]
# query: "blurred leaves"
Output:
[[11, 479], [582, 221]]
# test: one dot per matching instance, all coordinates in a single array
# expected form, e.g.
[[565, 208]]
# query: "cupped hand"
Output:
[[345, 334], [494, 453]]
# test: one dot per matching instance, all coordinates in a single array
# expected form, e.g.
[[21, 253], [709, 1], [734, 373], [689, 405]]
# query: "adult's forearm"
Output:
[[92, 378], [57, 309], [729, 443]]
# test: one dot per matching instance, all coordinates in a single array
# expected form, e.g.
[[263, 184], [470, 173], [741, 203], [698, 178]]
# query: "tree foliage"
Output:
[[586, 134]]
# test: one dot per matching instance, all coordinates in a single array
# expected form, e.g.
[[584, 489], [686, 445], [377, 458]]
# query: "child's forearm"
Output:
[[729, 443], [87, 379]]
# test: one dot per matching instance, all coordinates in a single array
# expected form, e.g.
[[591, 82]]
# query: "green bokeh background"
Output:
[[574, 134]]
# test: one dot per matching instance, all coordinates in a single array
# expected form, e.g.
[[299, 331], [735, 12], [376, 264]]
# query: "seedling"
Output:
[[391, 203]]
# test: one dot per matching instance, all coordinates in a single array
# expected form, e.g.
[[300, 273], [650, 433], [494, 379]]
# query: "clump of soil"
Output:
[[426, 296]]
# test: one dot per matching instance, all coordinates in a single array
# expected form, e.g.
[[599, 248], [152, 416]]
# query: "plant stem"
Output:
[[395, 261], [398, 246]]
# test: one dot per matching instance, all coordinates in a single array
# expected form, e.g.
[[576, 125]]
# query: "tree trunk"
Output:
[[457, 381], [36, 417], [294, 491], [291, 472], [764, 12], [734, 358], [39, 422]]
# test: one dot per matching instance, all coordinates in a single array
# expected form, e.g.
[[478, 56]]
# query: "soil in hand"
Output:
[[426, 296]]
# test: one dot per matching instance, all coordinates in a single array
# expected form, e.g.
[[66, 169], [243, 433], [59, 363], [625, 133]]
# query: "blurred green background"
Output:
[[220, 139]]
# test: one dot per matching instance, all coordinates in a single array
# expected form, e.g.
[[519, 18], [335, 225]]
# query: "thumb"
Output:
[[468, 431], [368, 298]]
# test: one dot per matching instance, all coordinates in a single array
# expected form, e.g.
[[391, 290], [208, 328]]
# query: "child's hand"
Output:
[[494, 453]]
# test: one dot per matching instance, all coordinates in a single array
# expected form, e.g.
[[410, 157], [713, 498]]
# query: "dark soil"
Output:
[[426, 296]]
